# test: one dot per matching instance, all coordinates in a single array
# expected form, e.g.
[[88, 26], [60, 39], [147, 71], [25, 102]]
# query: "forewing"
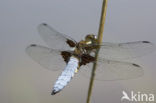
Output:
[[121, 51], [46, 57], [55, 39], [108, 70]]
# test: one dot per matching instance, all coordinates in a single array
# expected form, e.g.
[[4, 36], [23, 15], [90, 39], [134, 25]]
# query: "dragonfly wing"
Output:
[[55, 39], [46, 57], [121, 51], [113, 70]]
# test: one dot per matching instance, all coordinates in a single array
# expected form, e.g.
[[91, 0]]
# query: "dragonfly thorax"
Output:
[[84, 49], [86, 46]]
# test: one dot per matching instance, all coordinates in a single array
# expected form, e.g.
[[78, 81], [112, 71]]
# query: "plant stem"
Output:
[[100, 37]]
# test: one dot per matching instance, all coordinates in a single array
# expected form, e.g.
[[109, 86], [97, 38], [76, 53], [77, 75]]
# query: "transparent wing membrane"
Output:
[[46, 57], [109, 65], [54, 39], [121, 51], [108, 70]]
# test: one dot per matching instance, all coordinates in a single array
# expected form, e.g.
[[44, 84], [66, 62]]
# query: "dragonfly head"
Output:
[[90, 39]]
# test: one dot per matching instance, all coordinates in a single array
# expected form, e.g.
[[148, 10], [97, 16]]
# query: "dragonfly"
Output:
[[66, 54]]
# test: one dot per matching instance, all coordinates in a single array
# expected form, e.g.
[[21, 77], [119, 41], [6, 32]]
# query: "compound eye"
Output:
[[95, 36]]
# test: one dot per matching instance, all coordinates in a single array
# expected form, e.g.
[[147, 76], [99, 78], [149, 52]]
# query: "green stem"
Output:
[[100, 37]]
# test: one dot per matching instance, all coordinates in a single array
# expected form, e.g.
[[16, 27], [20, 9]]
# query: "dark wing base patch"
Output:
[[70, 43], [66, 55], [86, 58]]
